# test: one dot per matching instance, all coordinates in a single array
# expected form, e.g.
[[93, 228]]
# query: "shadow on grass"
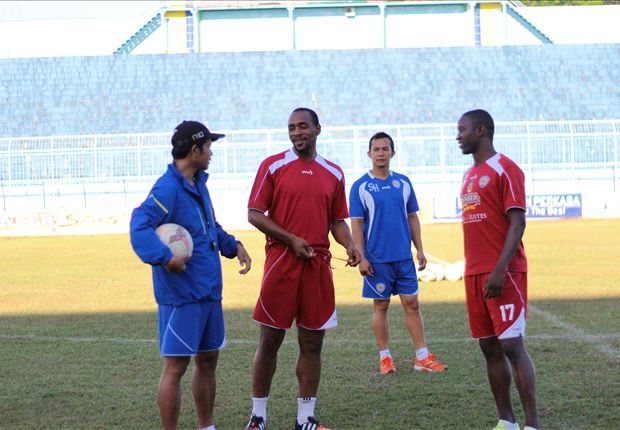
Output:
[[101, 371]]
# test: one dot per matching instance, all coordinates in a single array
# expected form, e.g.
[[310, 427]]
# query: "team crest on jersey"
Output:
[[470, 184], [380, 287], [396, 183], [484, 181]]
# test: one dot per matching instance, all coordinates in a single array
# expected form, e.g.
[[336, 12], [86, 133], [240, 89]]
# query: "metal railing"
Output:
[[90, 170]]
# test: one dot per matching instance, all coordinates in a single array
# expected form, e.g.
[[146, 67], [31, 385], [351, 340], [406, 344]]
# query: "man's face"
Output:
[[467, 135], [203, 155], [302, 132], [381, 153]]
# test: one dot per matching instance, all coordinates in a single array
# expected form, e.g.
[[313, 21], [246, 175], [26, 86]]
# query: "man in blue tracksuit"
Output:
[[188, 290]]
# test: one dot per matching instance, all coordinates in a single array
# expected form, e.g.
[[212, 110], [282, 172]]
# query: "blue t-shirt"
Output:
[[384, 204]]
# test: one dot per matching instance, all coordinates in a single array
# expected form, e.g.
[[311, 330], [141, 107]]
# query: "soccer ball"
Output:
[[177, 238], [454, 271], [427, 275]]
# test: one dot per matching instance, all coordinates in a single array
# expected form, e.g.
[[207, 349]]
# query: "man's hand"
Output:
[[244, 259], [365, 268], [354, 256], [494, 285], [176, 264], [421, 261], [301, 248]]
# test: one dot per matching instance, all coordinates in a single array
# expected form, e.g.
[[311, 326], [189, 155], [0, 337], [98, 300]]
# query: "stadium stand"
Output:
[[255, 90], [82, 137]]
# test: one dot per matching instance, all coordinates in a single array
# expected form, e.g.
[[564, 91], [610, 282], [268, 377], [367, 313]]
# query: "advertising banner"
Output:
[[538, 206], [64, 222], [554, 206]]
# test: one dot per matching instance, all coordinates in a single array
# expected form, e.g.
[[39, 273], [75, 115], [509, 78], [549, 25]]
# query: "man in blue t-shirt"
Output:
[[384, 221]]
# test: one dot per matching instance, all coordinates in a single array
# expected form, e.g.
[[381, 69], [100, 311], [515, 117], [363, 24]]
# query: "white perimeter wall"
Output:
[[437, 203]]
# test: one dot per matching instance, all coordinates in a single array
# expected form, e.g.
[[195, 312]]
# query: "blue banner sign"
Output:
[[553, 205]]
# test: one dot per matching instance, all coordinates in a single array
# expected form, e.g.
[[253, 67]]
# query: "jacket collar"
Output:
[[200, 178]]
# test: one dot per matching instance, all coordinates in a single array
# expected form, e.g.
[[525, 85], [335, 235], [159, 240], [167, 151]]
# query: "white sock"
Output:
[[385, 353], [259, 406], [529, 428], [305, 408], [421, 353], [211, 427], [509, 425]]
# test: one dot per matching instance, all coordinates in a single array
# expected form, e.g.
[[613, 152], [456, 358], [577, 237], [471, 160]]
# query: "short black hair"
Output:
[[181, 151], [313, 115], [381, 135], [480, 117]]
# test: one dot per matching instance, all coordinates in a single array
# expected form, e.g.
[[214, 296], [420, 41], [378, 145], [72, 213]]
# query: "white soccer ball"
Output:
[[426, 275], [454, 272], [177, 238], [439, 271]]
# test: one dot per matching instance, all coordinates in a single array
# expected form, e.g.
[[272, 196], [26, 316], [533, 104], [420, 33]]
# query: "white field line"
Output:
[[436, 259], [570, 330], [575, 332], [598, 339]]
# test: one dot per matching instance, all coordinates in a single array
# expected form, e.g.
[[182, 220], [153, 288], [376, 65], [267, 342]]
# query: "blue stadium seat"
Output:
[[147, 93]]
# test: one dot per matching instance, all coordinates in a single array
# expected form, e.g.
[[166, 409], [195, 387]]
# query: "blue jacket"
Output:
[[173, 200]]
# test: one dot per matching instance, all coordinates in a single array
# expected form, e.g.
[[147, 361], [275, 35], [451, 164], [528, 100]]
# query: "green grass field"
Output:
[[78, 346]]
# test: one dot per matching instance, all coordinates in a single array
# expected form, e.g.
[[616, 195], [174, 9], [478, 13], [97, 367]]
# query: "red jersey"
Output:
[[489, 190], [303, 197]]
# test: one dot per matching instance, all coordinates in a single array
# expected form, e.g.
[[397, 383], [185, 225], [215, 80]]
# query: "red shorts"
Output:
[[296, 288], [502, 316]]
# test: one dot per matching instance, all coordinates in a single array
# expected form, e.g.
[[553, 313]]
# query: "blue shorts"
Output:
[[389, 279], [191, 328]]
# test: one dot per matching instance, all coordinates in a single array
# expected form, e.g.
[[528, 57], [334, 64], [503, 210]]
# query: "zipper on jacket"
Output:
[[204, 229]]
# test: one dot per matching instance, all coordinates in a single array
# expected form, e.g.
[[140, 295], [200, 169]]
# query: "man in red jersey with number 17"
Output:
[[298, 197], [493, 200]]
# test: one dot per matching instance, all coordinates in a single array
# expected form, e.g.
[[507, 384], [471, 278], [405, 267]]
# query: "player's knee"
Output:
[[207, 360], [491, 348], [311, 348], [411, 305], [311, 344], [381, 305], [269, 344], [175, 366], [514, 349], [268, 347]]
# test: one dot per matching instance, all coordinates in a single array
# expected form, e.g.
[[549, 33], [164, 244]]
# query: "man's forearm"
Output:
[[342, 234], [268, 226]]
